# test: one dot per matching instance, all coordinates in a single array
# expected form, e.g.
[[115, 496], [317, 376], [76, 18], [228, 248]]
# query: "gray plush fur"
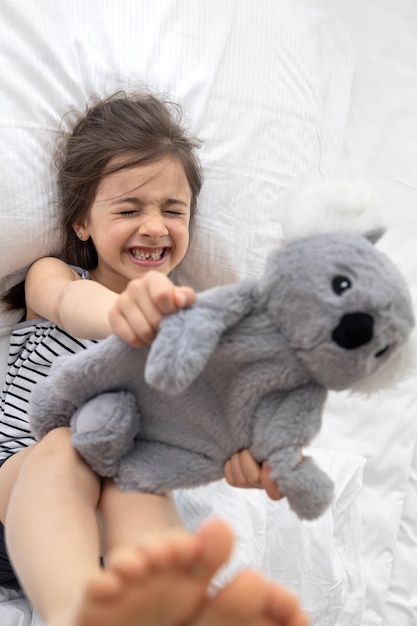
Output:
[[247, 366]]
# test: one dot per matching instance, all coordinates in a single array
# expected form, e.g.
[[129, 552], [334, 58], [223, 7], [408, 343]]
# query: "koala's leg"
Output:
[[285, 423], [104, 430], [157, 467], [308, 489]]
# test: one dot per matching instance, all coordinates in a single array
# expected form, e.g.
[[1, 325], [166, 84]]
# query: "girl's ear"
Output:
[[81, 231]]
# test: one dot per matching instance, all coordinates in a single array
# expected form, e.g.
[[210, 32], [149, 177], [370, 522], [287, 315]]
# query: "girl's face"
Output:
[[139, 221]]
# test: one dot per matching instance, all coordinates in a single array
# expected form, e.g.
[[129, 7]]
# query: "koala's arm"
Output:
[[187, 338]]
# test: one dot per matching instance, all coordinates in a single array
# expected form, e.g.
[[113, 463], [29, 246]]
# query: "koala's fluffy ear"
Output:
[[374, 235]]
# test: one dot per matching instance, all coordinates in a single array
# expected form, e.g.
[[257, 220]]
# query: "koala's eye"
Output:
[[341, 284]]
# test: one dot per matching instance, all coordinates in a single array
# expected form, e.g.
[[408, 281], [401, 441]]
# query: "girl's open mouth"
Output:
[[148, 254]]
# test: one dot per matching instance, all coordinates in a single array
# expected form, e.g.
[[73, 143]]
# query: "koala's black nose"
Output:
[[354, 330]]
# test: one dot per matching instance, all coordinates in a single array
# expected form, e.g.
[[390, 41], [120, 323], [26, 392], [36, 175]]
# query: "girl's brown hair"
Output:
[[141, 127]]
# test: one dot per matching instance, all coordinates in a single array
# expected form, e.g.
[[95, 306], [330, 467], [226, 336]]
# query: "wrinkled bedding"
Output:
[[280, 92]]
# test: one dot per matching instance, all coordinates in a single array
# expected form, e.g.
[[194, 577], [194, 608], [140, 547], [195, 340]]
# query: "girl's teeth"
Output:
[[147, 256]]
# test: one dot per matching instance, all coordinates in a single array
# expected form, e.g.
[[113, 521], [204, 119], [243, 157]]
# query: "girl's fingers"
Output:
[[136, 333], [164, 295], [241, 470], [250, 468], [268, 484], [142, 305], [233, 472], [183, 297]]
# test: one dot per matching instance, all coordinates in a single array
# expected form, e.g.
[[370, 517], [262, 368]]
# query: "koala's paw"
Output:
[[104, 430], [308, 489], [182, 347]]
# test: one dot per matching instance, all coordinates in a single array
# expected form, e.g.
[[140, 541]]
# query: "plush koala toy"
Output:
[[247, 366]]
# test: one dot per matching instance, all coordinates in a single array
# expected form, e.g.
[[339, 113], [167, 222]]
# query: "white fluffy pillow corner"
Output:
[[265, 85]]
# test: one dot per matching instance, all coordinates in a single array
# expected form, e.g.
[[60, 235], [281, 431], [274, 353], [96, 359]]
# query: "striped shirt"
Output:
[[34, 346]]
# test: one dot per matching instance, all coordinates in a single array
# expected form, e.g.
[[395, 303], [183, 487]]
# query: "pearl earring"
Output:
[[80, 235]]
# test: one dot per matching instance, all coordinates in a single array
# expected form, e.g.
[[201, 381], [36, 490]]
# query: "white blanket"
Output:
[[280, 92]]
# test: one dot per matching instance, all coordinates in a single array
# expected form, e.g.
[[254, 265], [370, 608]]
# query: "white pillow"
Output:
[[265, 85]]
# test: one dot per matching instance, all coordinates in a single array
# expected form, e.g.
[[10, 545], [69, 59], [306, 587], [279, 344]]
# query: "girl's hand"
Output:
[[241, 470], [138, 310]]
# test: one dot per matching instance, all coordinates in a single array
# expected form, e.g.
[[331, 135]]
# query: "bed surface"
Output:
[[281, 92]]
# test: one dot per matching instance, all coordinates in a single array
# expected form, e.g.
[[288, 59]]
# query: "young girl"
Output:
[[129, 181]]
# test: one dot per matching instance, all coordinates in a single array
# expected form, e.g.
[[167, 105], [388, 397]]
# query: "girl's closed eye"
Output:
[[173, 212], [175, 206]]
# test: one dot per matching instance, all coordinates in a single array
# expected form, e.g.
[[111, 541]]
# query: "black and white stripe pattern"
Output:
[[34, 346]]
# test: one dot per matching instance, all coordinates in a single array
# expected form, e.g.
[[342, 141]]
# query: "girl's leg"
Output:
[[133, 518], [48, 504]]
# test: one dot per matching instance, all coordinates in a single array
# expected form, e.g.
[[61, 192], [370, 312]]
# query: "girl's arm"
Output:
[[89, 310]]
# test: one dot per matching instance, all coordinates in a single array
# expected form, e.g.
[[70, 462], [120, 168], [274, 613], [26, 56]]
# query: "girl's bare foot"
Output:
[[158, 585], [251, 600], [165, 584]]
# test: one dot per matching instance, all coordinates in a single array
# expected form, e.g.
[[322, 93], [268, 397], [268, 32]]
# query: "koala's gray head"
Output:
[[341, 304]]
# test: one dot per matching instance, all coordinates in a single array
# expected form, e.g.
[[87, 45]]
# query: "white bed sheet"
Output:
[[381, 146], [366, 126]]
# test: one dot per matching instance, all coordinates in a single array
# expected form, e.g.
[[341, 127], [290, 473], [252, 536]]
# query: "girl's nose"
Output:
[[152, 226]]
